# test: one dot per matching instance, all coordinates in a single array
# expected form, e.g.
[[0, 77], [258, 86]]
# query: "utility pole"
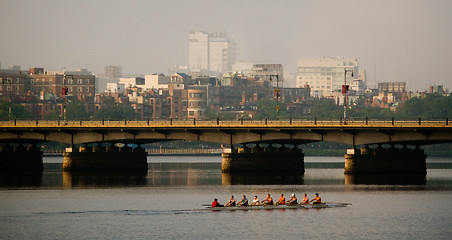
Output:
[[345, 92], [276, 92], [65, 99], [64, 93], [10, 98]]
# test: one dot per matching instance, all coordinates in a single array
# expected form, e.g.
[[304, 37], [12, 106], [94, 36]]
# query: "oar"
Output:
[[338, 203]]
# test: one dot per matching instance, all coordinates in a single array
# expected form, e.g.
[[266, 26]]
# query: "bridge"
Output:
[[229, 132], [245, 132]]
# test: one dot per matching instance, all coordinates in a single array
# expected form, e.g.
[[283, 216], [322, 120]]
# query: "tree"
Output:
[[360, 102], [116, 112], [267, 109], [76, 110], [17, 112], [432, 106], [110, 110], [327, 110], [52, 116], [211, 114], [371, 112]]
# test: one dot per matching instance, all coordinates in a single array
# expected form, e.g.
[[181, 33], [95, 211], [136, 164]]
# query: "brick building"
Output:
[[42, 92]]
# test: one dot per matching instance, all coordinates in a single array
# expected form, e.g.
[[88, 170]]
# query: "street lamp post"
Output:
[[64, 93], [9, 111], [345, 90], [65, 99], [277, 92], [10, 99]]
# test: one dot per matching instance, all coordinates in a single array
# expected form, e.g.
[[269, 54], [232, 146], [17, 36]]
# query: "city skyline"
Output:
[[407, 41]]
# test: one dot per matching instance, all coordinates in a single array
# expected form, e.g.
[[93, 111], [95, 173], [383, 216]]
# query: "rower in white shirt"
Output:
[[255, 201]]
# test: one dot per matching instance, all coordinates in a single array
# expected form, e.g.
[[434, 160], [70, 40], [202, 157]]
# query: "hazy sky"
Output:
[[406, 40]]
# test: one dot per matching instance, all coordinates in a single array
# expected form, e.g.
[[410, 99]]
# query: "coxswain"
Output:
[[281, 200], [305, 199], [293, 200], [243, 202], [231, 202], [268, 200], [215, 203], [317, 199], [255, 201]]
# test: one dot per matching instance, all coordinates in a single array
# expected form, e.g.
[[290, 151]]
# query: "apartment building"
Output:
[[326, 75]]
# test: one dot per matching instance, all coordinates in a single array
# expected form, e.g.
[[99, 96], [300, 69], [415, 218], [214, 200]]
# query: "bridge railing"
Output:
[[226, 123]]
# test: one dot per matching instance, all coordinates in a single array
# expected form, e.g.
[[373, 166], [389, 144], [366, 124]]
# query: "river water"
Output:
[[166, 203]]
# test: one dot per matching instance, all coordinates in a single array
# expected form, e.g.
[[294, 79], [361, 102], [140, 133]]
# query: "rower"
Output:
[[281, 200], [305, 199], [317, 199], [255, 201], [215, 203], [244, 201], [231, 202], [268, 200], [293, 200]]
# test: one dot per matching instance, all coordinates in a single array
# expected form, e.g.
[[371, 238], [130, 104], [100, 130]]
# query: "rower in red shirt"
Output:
[[305, 199], [215, 203]]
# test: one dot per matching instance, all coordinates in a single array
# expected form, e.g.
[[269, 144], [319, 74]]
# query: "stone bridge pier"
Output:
[[263, 159], [385, 160], [108, 158]]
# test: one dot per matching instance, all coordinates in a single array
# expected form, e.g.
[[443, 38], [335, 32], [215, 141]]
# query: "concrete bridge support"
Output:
[[260, 160], [105, 159], [385, 160], [20, 158]]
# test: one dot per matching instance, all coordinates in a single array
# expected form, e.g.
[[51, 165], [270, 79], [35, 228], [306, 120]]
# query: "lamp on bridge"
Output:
[[277, 91], [345, 92]]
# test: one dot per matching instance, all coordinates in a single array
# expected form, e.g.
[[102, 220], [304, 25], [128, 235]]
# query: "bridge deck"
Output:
[[230, 132]]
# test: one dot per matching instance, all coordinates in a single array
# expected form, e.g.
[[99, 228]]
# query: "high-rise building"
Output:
[[326, 75], [198, 51], [268, 72], [392, 87], [243, 67], [112, 73], [211, 52]]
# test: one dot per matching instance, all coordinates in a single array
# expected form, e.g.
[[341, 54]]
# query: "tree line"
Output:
[[75, 110], [432, 106]]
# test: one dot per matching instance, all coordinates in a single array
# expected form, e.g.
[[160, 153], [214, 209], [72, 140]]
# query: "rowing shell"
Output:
[[270, 207]]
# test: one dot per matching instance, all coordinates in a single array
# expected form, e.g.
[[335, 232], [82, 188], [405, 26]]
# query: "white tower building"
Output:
[[198, 51], [211, 52]]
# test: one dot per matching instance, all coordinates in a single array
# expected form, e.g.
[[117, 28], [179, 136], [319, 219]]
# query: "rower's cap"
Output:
[[316, 193], [215, 199], [293, 195]]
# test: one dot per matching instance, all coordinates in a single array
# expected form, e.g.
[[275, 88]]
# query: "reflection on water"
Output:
[[209, 173], [261, 179], [93, 179], [188, 176], [386, 179], [15, 179]]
